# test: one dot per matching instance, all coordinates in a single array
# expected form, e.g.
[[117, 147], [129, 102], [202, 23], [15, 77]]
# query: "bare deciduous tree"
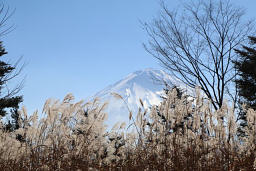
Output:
[[6, 90], [196, 44]]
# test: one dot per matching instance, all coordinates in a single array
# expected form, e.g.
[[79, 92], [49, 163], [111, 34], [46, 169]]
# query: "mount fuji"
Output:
[[146, 85]]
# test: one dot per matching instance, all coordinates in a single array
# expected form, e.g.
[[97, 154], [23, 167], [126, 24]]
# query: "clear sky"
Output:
[[81, 46]]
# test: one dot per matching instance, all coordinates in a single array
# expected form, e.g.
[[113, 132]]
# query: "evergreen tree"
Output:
[[8, 102], [180, 93], [246, 81]]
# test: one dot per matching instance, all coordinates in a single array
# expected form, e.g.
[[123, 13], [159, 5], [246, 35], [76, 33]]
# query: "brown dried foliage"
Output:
[[72, 136]]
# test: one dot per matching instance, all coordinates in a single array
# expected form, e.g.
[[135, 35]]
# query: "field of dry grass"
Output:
[[177, 135]]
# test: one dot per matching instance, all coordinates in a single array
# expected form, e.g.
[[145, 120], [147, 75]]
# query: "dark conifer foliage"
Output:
[[8, 102], [246, 81], [180, 93]]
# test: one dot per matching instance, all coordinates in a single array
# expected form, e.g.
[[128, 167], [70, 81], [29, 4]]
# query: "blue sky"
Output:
[[81, 46]]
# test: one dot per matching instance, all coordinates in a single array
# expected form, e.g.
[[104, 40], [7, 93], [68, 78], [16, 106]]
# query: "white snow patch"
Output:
[[146, 85]]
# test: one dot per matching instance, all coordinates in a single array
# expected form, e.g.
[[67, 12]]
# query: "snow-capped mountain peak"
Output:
[[147, 85]]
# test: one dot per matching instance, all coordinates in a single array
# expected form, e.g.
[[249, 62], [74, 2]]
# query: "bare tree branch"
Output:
[[5, 28], [197, 44]]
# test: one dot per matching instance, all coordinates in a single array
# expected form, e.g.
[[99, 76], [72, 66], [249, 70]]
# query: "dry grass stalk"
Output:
[[177, 135]]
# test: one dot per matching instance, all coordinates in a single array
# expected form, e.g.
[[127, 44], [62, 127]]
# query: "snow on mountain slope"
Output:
[[146, 85]]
